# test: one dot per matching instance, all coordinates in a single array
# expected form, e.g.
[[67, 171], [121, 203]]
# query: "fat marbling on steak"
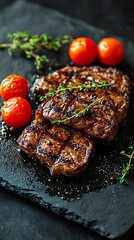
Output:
[[64, 150], [118, 91]]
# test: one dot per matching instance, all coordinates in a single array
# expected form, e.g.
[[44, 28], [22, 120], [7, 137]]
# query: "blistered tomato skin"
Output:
[[82, 51], [110, 51], [16, 112], [13, 86]]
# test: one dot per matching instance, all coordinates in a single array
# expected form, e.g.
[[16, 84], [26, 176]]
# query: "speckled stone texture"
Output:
[[92, 201]]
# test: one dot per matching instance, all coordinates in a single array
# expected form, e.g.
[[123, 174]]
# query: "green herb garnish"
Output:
[[78, 113], [128, 166], [32, 45], [52, 92]]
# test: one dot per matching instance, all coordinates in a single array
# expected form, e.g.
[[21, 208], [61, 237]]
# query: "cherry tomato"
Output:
[[110, 51], [16, 112], [82, 51], [14, 86]]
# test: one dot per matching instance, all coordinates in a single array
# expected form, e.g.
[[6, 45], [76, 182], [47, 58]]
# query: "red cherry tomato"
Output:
[[110, 51], [82, 51], [14, 86], [16, 112]]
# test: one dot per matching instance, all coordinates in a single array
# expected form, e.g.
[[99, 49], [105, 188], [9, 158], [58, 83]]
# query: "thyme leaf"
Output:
[[126, 168], [70, 88], [32, 45], [78, 113]]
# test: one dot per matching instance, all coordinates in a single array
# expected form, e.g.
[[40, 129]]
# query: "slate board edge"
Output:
[[69, 216]]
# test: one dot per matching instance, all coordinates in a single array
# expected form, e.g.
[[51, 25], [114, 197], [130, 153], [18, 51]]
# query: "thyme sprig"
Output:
[[62, 88], [128, 166], [32, 45], [78, 113]]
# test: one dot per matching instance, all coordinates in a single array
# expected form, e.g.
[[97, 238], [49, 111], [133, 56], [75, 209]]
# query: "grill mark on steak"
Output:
[[100, 122], [118, 92], [64, 150]]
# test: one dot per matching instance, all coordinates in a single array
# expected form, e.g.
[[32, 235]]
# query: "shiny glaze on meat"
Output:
[[118, 91], [100, 122], [64, 150]]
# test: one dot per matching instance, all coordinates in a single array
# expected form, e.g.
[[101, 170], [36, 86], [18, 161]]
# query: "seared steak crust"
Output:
[[100, 122], [118, 91], [64, 150]]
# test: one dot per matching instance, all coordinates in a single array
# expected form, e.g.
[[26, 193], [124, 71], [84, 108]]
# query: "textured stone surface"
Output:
[[91, 201], [34, 222]]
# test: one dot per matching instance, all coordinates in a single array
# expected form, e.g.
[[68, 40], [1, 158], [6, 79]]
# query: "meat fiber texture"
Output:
[[102, 120], [64, 150]]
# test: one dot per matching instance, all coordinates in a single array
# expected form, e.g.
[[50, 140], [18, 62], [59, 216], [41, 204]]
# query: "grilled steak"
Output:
[[118, 91], [64, 150], [100, 122]]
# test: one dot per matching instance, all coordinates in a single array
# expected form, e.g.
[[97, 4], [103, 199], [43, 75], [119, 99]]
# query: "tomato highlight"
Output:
[[110, 51], [13, 86], [82, 51], [16, 112]]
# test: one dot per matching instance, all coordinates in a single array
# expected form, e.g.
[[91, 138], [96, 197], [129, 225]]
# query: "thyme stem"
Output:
[[128, 166], [5, 45], [52, 92], [32, 45], [77, 113]]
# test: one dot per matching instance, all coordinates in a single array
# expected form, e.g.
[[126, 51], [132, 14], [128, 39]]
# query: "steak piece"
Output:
[[118, 91], [100, 122], [64, 150]]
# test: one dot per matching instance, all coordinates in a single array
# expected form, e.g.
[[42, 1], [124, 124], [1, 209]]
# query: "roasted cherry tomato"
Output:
[[16, 112], [82, 51], [110, 51], [14, 86]]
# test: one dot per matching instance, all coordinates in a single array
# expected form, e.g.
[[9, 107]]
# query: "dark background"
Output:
[[18, 217]]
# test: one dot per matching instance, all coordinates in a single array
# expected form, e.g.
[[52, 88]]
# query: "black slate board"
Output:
[[91, 200]]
